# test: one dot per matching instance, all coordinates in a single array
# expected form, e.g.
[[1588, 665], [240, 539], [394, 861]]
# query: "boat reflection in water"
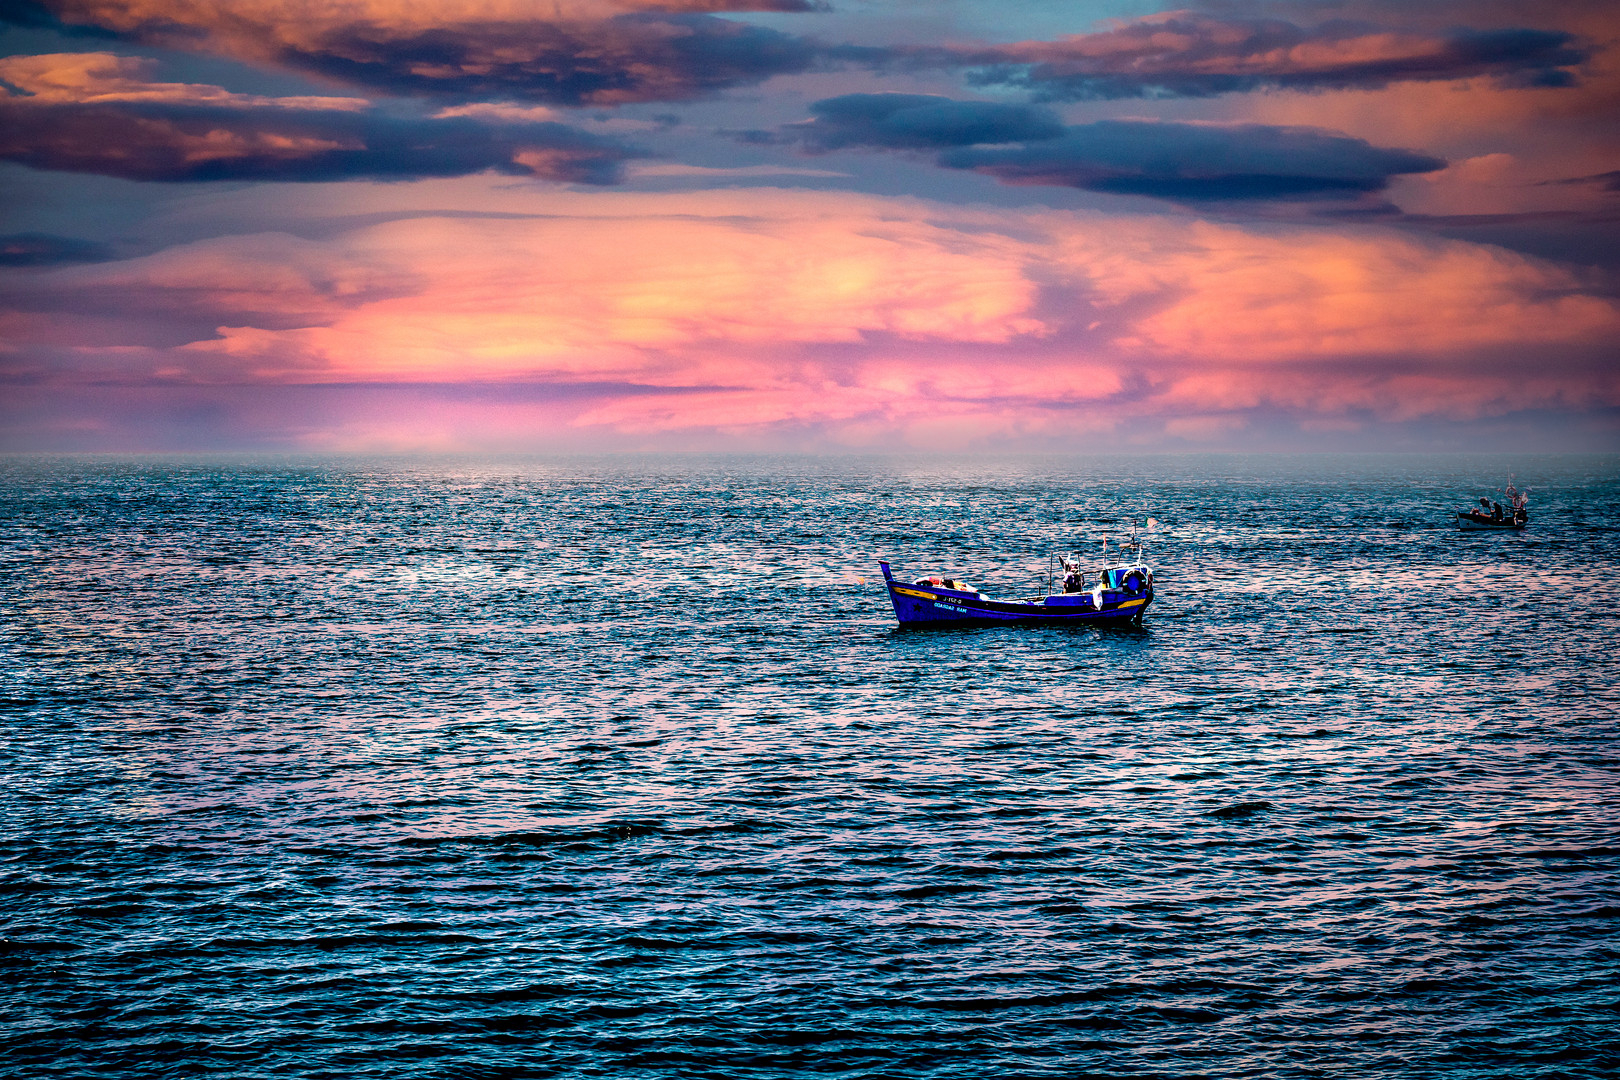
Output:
[[1113, 595]]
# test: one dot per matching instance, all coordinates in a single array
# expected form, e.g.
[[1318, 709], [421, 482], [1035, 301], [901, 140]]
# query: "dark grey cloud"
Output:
[[45, 249], [1196, 161], [137, 141], [1020, 144], [920, 122], [671, 51], [1189, 54], [631, 58]]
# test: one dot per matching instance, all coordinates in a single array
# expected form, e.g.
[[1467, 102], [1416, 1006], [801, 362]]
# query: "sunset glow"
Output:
[[498, 224]]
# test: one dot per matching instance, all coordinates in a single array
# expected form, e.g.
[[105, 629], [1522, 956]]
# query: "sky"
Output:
[[789, 225]]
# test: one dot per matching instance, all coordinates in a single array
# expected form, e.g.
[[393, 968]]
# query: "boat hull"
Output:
[[933, 605], [1480, 523]]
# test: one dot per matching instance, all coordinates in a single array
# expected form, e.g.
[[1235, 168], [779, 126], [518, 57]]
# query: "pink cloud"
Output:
[[1241, 294], [651, 293], [857, 314]]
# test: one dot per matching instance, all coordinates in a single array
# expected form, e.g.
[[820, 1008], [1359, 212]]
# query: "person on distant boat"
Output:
[[1074, 581], [1496, 511]]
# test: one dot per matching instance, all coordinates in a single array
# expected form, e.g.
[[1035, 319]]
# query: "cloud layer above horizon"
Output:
[[650, 220]]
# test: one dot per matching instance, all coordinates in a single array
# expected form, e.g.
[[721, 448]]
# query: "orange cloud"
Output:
[[134, 14], [808, 308], [613, 295], [101, 78], [500, 111], [1289, 294]]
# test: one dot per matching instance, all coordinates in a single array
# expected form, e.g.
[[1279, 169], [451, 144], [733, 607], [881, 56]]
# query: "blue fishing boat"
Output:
[[1113, 595]]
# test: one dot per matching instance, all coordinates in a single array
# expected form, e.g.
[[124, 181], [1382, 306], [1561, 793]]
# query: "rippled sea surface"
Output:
[[619, 767]]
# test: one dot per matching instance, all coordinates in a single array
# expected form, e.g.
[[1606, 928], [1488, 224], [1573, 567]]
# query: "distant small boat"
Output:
[[1119, 595], [1493, 516]]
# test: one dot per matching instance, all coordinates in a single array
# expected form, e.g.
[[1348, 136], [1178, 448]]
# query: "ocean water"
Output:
[[619, 767]]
